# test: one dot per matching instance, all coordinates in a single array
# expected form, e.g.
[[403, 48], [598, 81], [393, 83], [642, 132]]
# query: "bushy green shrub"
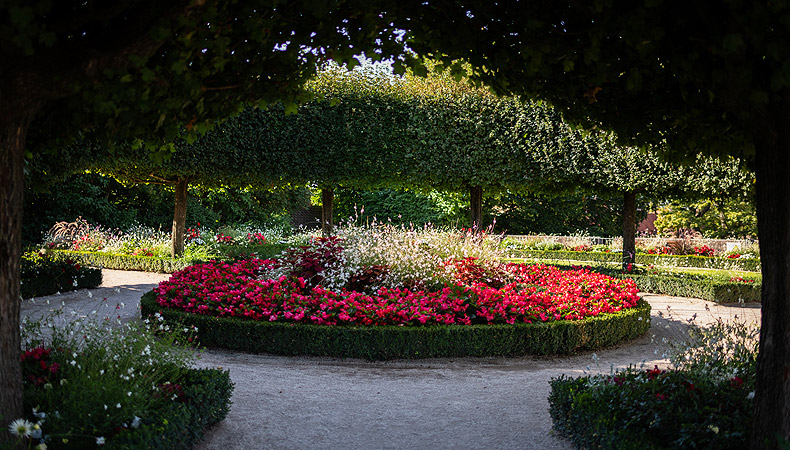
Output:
[[391, 342], [95, 381], [181, 425], [705, 402], [42, 274]]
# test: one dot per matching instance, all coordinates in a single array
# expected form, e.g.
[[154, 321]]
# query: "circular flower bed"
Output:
[[530, 294]]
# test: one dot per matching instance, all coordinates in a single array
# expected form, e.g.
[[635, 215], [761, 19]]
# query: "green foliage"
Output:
[[715, 218], [142, 393], [745, 264], [401, 206], [181, 425], [125, 262], [634, 409], [547, 214], [706, 402], [44, 275], [713, 289], [391, 342], [101, 199]]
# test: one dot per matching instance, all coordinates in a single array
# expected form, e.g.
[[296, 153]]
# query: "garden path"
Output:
[[311, 402]]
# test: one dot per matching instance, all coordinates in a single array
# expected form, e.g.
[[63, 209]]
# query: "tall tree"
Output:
[[144, 70], [696, 77]]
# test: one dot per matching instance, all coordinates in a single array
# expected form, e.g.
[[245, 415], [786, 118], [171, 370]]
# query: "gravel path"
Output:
[[311, 402]]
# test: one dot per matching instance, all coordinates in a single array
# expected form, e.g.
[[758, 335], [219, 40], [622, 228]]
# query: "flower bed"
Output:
[[532, 310], [538, 294]]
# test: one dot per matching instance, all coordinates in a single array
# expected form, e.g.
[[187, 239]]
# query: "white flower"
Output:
[[21, 428], [118, 405], [750, 396], [100, 440], [136, 422], [41, 446]]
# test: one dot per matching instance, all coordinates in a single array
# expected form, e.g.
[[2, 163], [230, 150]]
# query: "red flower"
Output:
[[653, 373]]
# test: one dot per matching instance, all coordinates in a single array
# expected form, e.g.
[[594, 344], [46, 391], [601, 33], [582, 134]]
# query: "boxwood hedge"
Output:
[[43, 275], [710, 289], [392, 342], [125, 262], [746, 264], [181, 425]]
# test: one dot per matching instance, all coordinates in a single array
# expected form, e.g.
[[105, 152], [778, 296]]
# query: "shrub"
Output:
[[705, 402], [89, 381], [41, 274]]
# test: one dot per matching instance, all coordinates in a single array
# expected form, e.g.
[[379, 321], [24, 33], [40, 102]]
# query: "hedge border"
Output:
[[711, 290], [37, 286], [395, 342], [701, 262], [182, 425], [124, 262]]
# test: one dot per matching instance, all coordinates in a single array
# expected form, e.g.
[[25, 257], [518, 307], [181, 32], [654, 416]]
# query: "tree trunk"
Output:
[[327, 200], [13, 130], [476, 207], [179, 218], [629, 229], [772, 393]]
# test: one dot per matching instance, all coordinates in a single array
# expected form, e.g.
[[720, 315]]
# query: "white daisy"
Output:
[[21, 428]]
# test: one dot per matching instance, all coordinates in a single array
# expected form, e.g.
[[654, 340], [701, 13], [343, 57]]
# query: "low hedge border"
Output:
[[702, 262], [124, 262], [393, 342], [710, 288], [705, 289], [181, 425], [39, 285]]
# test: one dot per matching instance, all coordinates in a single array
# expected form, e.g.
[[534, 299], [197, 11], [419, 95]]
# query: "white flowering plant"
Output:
[[90, 378], [384, 255]]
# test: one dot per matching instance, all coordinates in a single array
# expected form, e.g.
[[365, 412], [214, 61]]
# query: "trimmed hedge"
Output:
[[629, 410], [40, 274], [39, 285], [707, 289], [181, 425], [392, 342], [703, 262], [125, 262]]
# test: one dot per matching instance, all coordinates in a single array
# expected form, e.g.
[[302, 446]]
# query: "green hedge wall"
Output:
[[44, 284], [181, 425], [392, 342], [707, 289], [124, 262], [637, 412], [746, 264]]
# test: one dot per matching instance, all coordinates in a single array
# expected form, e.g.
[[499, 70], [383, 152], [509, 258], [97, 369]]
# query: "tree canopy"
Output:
[[685, 77]]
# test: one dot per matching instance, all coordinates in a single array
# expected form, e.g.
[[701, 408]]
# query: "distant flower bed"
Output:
[[475, 294]]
